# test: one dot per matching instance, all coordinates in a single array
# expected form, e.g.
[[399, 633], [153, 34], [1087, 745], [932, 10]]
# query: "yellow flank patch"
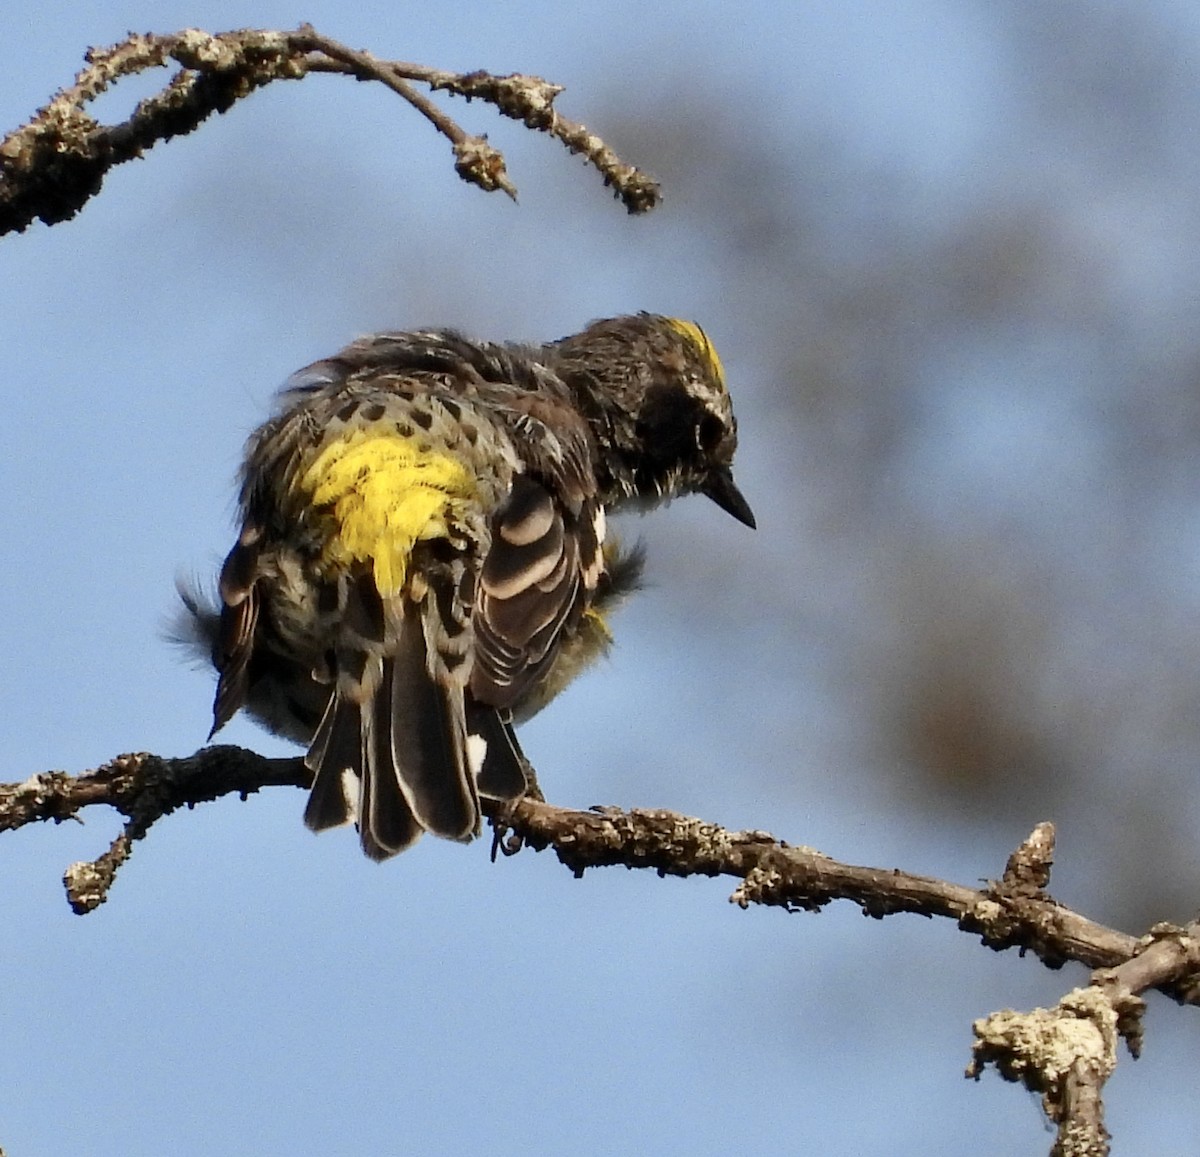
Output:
[[697, 336], [596, 620], [385, 493]]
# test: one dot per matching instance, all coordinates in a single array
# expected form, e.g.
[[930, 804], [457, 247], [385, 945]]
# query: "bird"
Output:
[[424, 560]]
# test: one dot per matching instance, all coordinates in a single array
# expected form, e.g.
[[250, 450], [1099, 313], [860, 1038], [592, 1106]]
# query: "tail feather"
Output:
[[427, 742], [501, 769], [335, 754], [386, 822], [407, 747]]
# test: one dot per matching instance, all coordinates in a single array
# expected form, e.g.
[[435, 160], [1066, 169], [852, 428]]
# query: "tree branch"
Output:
[[1011, 912], [1065, 1054], [50, 167]]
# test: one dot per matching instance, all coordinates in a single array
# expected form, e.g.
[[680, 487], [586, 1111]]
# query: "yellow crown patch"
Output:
[[697, 336]]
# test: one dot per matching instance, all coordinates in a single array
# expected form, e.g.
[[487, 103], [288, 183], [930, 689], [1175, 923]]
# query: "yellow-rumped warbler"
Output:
[[422, 559]]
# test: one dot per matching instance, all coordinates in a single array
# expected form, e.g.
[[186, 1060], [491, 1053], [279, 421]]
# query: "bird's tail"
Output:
[[403, 752]]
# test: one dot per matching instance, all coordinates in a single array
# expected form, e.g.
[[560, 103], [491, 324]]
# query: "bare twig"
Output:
[[50, 167]]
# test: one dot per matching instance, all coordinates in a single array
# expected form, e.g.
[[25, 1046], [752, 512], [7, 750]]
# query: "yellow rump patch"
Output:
[[385, 492], [697, 336]]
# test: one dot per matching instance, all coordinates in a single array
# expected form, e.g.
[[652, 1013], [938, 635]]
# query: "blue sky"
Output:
[[249, 988]]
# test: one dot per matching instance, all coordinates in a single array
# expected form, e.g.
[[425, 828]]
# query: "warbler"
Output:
[[423, 559]]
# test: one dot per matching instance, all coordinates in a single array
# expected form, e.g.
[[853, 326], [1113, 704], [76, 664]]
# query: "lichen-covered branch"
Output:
[[1013, 911], [51, 166], [144, 788], [1065, 1054]]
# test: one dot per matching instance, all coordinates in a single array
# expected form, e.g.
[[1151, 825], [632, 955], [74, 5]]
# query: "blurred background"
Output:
[[948, 253]]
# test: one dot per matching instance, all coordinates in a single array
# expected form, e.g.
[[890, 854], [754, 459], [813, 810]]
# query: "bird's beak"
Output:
[[722, 489]]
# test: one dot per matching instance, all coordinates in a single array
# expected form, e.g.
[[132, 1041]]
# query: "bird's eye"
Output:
[[709, 433]]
